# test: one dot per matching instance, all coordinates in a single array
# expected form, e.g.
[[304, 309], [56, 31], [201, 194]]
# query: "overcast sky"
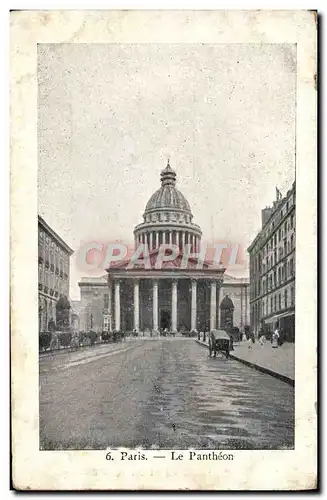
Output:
[[110, 115]]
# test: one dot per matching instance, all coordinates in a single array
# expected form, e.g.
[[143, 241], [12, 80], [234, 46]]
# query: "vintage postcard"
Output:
[[163, 243]]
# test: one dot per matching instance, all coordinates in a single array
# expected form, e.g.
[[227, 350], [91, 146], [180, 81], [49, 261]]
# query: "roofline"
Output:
[[52, 233], [273, 213]]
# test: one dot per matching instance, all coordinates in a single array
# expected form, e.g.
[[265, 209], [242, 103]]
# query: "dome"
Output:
[[168, 196], [227, 303]]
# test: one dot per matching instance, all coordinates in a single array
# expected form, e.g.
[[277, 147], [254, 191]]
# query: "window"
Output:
[[285, 299], [275, 302], [275, 256], [271, 305], [279, 234], [279, 301], [292, 221], [106, 301], [292, 295], [292, 242], [291, 267]]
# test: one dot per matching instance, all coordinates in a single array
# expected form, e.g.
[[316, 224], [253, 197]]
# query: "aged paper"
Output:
[[112, 385]]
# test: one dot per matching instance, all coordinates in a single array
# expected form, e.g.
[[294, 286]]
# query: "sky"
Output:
[[109, 116]]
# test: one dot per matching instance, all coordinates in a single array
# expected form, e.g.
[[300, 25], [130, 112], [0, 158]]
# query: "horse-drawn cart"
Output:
[[219, 342]]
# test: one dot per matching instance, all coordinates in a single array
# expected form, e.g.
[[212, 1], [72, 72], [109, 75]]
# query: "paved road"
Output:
[[163, 393]]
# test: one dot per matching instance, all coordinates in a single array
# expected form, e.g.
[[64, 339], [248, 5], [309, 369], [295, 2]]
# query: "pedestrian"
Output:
[[251, 340], [275, 338]]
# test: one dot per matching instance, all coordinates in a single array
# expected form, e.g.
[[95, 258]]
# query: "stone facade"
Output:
[[53, 272], [272, 268], [171, 297], [94, 303]]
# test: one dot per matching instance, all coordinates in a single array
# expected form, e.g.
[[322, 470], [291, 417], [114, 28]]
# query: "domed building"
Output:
[[168, 217], [181, 294]]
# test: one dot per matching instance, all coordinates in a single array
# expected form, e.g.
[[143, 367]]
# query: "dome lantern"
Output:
[[168, 176], [167, 217]]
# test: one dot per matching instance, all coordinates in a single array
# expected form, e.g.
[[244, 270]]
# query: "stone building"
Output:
[[53, 272], [174, 296], [272, 268]]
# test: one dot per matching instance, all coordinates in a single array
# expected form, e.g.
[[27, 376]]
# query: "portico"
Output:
[[179, 309], [158, 299]]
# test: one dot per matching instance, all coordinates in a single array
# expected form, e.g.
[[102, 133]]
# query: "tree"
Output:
[[62, 313]]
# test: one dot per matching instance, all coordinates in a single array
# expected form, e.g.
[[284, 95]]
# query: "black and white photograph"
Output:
[[166, 309], [168, 170]]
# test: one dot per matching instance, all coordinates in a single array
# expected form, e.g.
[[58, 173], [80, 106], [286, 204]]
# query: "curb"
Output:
[[259, 368]]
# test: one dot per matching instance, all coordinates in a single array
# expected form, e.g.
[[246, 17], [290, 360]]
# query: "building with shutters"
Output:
[[272, 268], [53, 272]]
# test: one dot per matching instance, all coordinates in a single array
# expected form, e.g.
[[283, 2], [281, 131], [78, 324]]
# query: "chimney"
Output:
[[265, 215]]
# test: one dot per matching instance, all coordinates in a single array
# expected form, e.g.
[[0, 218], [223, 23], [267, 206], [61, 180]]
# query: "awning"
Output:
[[273, 319], [277, 317]]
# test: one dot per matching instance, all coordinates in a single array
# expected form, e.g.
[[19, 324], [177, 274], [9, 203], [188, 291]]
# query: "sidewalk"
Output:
[[279, 363]]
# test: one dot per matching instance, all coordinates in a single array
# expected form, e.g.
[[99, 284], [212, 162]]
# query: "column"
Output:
[[183, 239], [117, 306], [174, 306], [242, 324], [155, 306], [170, 237], [136, 305], [110, 304], [218, 303], [151, 242], [177, 238], [157, 239], [193, 306], [213, 303]]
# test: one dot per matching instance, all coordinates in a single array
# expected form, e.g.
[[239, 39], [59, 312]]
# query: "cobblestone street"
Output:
[[163, 393]]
